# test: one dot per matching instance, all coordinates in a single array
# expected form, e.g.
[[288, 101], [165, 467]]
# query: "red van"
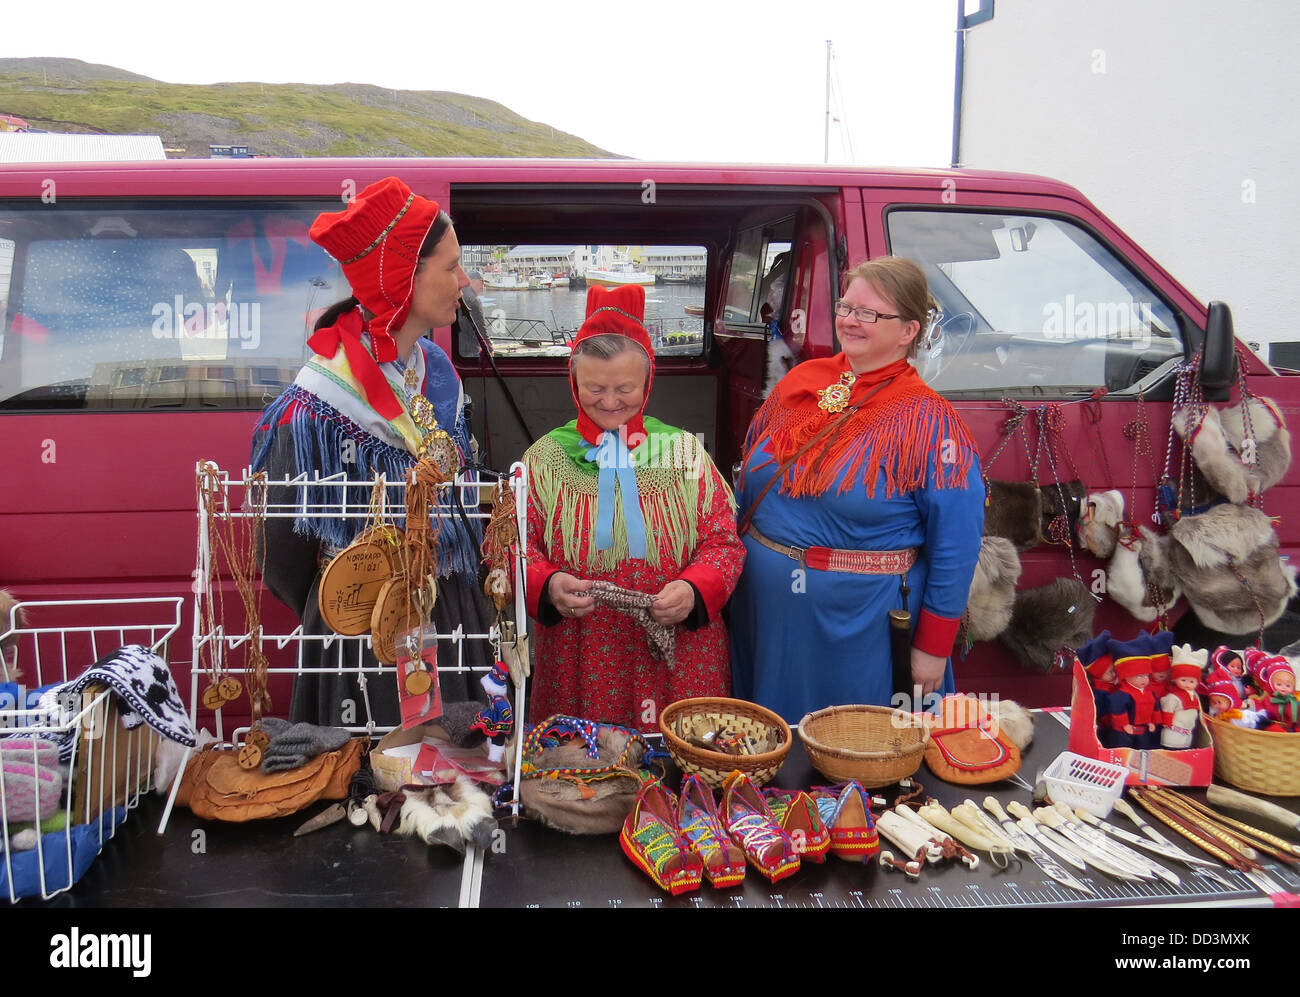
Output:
[[148, 311]]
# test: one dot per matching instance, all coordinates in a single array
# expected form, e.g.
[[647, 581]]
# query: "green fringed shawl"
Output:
[[675, 479]]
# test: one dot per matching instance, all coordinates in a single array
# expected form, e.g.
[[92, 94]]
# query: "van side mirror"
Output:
[[1219, 365]]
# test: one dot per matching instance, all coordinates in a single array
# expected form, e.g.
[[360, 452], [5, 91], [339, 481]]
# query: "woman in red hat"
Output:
[[373, 391], [622, 500]]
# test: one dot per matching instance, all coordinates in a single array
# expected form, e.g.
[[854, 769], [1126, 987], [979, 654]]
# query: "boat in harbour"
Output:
[[619, 275], [539, 281], [676, 277], [503, 280]]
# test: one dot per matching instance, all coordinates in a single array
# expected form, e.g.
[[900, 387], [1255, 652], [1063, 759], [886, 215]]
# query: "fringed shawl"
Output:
[[332, 430], [905, 428], [675, 479]]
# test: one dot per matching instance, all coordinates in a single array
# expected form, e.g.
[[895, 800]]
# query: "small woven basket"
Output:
[[875, 745], [1260, 761], [735, 714]]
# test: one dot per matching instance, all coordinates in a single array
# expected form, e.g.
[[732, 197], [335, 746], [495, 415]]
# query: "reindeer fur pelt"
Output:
[[9, 673], [1138, 564], [1272, 441], [1014, 721], [1099, 531], [1220, 467], [992, 589], [455, 814], [1015, 511], [779, 362], [1206, 549], [1072, 492], [1048, 618]]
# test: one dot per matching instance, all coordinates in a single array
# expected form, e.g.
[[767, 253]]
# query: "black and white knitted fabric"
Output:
[[144, 682]]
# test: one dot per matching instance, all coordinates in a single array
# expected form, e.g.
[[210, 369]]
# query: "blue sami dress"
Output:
[[804, 639]]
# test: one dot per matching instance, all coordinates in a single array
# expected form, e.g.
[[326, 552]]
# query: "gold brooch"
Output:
[[835, 397], [435, 442]]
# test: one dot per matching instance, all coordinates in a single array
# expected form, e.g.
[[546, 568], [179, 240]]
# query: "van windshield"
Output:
[[1031, 302], [121, 306]]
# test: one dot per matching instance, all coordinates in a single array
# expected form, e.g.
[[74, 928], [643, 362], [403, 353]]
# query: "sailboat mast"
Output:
[[826, 141]]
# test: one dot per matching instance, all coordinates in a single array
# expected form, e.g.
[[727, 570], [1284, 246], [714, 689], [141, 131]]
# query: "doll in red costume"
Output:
[[1276, 676], [1134, 714], [1225, 703], [1180, 707]]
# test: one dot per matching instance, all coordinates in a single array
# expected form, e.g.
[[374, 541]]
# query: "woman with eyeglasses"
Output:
[[860, 494]]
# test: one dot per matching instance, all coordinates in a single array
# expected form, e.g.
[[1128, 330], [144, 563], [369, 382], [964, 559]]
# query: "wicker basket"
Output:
[[875, 745], [1260, 761], [738, 715]]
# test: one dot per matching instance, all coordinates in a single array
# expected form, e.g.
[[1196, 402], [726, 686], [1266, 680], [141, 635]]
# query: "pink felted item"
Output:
[[30, 792]]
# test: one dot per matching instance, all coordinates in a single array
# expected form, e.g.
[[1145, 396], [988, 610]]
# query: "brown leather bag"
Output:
[[216, 788], [966, 747]]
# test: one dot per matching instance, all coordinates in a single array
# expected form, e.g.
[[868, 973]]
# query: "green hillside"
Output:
[[348, 119]]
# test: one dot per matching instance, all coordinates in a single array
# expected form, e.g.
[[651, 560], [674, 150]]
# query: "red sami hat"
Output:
[[618, 311], [1185, 670], [1219, 683], [377, 240]]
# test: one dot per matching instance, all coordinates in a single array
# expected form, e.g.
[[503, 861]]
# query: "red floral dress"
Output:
[[600, 666]]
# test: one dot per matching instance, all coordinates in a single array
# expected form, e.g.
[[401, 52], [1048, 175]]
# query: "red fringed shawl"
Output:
[[906, 427]]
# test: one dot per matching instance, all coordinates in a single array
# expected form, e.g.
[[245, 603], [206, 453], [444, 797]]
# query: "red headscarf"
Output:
[[616, 312]]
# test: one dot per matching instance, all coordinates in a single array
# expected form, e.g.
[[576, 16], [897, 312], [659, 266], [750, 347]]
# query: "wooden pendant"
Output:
[[393, 613], [351, 583], [212, 698], [417, 682], [230, 688], [258, 737], [250, 756]]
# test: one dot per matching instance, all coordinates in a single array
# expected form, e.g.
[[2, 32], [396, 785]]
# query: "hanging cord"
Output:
[[1051, 420], [1010, 427]]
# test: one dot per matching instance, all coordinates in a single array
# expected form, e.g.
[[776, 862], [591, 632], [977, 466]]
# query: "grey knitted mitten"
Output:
[[296, 745]]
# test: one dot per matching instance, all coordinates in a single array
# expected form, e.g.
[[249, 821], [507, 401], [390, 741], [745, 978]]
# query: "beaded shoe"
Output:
[[846, 810], [751, 825], [797, 815], [697, 817], [650, 839]]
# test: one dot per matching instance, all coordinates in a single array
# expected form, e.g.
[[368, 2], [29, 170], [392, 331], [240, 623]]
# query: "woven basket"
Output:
[[736, 714], [875, 745], [1260, 761]]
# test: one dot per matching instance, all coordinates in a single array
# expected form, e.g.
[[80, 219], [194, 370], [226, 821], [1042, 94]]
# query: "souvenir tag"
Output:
[[417, 675], [250, 756], [351, 583], [393, 614], [258, 737]]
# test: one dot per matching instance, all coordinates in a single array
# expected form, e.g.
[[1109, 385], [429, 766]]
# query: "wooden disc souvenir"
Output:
[[250, 756], [393, 613], [230, 688], [351, 583], [258, 737], [385, 533], [417, 682], [212, 698]]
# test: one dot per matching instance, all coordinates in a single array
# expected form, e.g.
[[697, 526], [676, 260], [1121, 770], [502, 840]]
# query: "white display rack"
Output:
[[227, 496], [110, 767]]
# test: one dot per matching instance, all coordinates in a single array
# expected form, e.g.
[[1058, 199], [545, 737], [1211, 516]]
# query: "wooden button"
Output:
[[250, 756]]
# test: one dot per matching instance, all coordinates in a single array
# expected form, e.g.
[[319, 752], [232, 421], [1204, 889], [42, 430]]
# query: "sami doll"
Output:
[[1279, 701], [1224, 702], [1100, 667], [1134, 714], [1233, 664], [1160, 645], [1180, 707]]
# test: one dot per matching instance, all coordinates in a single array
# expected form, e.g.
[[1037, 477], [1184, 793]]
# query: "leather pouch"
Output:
[[966, 747]]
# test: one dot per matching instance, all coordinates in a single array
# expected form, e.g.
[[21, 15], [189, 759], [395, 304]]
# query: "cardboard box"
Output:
[[1147, 767], [392, 774]]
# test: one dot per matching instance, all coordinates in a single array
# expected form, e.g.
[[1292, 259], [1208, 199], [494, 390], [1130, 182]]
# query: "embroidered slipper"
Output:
[[697, 817], [797, 815], [651, 841], [751, 825], [846, 810]]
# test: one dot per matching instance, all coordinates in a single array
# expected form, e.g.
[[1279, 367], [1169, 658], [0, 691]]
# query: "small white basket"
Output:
[[1085, 783]]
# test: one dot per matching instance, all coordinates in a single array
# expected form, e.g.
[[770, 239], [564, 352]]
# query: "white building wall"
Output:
[[1174, 118]]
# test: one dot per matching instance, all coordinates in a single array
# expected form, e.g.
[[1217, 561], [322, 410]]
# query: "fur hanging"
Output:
[[1200, 428], [1272, 441], [1072, 492], [1045, 619], [9, 671], [992, 589], [456, 814], [1014, 510], [1099, 527], [1208, 553], [1013, 720], [779, 361], [1140, 570]]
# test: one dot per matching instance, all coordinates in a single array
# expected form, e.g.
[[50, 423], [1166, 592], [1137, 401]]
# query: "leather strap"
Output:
[[857, 562]]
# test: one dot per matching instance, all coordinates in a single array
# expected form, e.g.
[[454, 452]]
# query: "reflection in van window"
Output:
[[534, 297], [1031, 302], [185, 307]]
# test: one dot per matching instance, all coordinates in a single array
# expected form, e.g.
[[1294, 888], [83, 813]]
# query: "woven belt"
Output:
[[857, 562]]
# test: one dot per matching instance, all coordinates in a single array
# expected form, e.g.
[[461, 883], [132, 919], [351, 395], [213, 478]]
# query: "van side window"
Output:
[[1031, 302], [185, 307], [534, 296]]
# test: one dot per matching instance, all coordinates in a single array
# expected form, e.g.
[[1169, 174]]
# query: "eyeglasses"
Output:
[[867, 316]]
